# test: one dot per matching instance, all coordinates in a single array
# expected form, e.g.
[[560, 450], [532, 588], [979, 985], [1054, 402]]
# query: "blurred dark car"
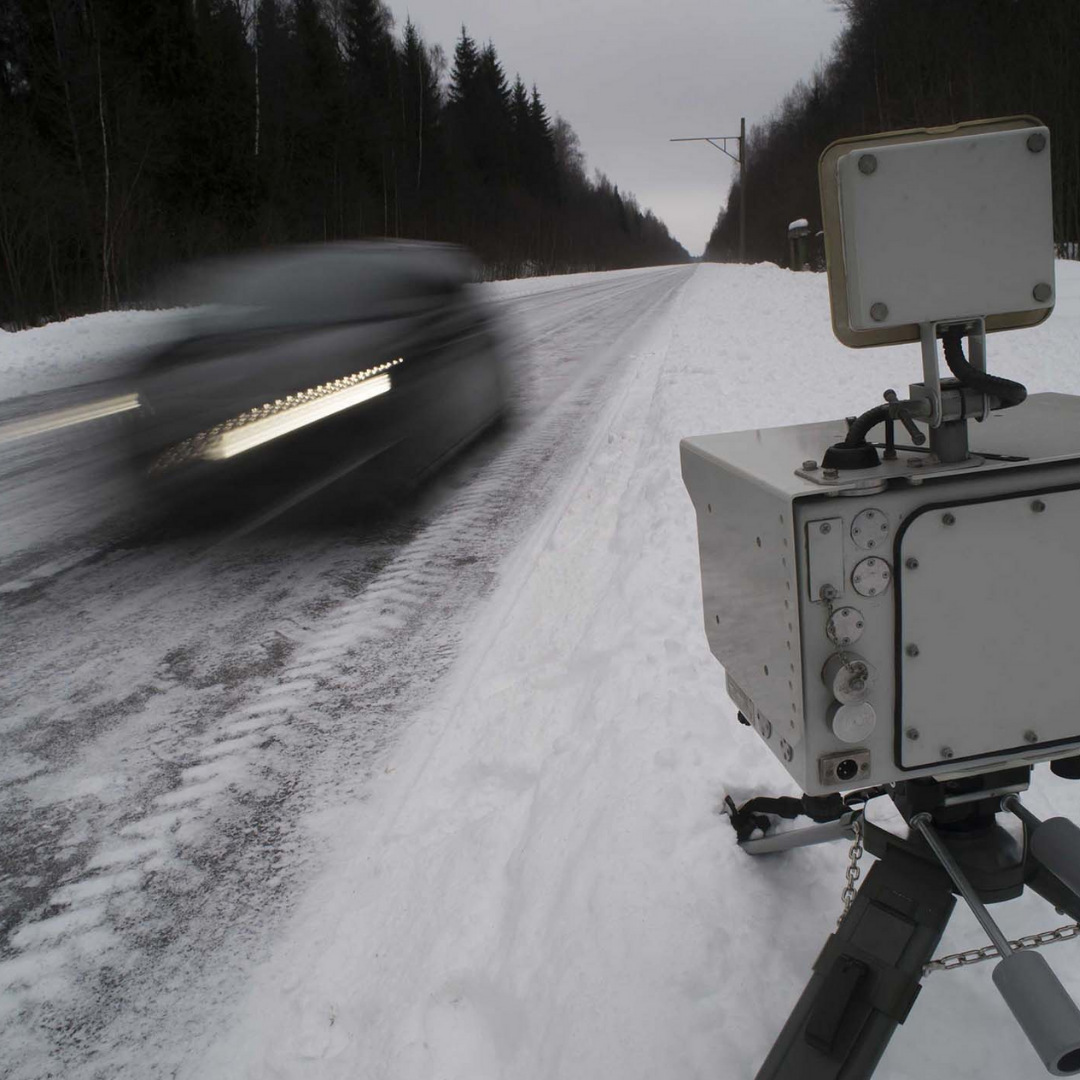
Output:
[[306, 364]]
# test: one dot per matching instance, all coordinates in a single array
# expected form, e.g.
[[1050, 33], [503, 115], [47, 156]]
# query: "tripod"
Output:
[[867, 977]]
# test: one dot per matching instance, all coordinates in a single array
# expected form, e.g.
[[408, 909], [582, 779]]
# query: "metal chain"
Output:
[[855, 853], [990, 952]]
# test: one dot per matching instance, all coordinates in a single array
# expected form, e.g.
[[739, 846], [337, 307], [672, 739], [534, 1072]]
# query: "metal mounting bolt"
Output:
[[879, 312], [868, 163], [828, 592], [912, 563], [830, 474], [1036, 142], [1042, 292], [1030, 736], [946, 752], [809, 465], [915, 462], [825, 528], [912, 649], [948, 519], [912, 733], [1038, 506]]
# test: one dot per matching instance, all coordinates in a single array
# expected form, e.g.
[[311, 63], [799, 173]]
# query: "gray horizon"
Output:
[[595, 62]]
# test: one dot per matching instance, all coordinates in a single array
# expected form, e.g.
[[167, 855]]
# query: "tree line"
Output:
[[138, 135], [913, 64]]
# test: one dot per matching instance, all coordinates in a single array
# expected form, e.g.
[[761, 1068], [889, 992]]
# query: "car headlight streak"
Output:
[[62, 418], [274, 419]]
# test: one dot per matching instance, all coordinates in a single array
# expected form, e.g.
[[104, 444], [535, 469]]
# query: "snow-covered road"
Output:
[[171, 713], [438, 799]]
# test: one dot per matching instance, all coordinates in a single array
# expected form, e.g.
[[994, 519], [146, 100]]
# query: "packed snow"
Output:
[[520, 871]]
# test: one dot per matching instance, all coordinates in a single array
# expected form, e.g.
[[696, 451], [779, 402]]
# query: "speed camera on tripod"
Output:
[[892, 604]]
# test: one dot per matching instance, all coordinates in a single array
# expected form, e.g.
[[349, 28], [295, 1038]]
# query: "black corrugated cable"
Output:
[[1007, 392]]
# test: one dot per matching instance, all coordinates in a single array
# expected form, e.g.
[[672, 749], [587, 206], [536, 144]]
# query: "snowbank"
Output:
[[93, 347]]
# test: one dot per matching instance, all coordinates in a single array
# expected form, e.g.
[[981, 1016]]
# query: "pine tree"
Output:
[[522, 165], [463, 74]]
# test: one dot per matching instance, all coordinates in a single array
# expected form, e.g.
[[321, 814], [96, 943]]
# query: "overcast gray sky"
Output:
[[630, 74]]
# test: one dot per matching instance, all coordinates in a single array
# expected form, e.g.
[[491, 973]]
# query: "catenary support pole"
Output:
[[720, 143], [742, 190]]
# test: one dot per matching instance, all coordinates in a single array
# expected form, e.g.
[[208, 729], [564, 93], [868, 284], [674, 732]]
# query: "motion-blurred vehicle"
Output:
[[308, 363]]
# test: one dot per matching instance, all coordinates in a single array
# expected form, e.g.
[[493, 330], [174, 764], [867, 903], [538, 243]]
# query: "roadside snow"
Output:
[[94, 347], [540, 886], [81, 350]]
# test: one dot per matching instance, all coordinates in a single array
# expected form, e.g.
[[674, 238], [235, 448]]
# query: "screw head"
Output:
[[868, 164], [912, 650], [912, 733], [948, 519], [946, 752], [809, 465], [825, 528], [1042, 292], [1038, 506], [1031, 737], [879, 312], [912, 563], [1036, 142]]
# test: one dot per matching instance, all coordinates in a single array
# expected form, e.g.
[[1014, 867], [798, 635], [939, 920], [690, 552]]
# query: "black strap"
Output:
[[750, 816], [891, 991], [845, 980]]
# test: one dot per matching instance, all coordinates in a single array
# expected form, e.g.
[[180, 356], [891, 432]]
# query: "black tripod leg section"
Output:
[[867, 976]]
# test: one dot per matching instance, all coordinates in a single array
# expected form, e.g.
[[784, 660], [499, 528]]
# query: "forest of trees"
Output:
[[914, 63], [137, 135]]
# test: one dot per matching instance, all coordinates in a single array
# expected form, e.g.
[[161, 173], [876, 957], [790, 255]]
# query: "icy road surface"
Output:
[[439, 800]]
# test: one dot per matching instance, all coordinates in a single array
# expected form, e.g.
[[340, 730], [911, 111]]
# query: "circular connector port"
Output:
[[846, 770]]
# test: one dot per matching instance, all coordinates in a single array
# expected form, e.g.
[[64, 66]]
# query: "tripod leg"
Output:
[[867, 976]]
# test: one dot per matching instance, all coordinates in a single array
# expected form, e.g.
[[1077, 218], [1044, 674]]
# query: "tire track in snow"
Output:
[[214, 842]]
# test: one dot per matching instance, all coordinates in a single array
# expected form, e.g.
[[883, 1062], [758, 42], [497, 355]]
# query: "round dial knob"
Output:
[[871, 577], [845, 626], [870, 529], [854, 723], [849, 677]]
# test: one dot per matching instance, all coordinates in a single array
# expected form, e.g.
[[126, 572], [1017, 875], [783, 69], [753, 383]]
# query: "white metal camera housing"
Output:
[[915, 618]]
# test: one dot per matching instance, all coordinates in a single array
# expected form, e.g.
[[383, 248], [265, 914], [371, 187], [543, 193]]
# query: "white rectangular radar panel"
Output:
[[947, 228]]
